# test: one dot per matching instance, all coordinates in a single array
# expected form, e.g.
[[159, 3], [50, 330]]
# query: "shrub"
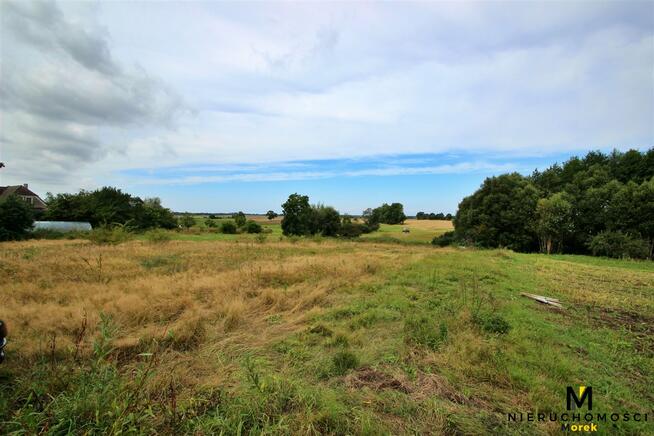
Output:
[[352, 230], [325, 220], [210, 223], [618, 245], [253, 227], [492, 323], [108, 235], [228, 228], [370, 227], [447, 238], [422, 331], [16, 219], [343, 361], [240, 219], [157, 236], [187, 221]]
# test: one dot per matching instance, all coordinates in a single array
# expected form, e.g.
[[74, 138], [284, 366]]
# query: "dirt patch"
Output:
[[634, 321], [375, 380], [640, 325], [434, 385], [423, 387]]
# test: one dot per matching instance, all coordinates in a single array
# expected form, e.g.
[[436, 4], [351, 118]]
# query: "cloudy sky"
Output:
[[218, 106]]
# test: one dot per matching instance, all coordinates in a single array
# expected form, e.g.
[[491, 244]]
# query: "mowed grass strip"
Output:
[[316, 337]]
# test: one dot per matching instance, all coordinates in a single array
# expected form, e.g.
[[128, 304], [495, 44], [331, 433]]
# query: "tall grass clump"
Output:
[[157, 236], [107, 235], [422, 331]]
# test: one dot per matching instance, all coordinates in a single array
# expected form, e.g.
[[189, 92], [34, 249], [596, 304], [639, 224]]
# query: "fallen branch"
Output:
[[545, 300]]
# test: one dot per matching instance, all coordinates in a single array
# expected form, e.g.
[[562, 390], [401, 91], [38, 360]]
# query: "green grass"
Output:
[[445, 345], [519, 357]]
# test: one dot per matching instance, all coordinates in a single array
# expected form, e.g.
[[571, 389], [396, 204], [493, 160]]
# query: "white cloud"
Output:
[[90, 90]]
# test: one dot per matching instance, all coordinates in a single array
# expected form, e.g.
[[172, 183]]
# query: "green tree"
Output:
[[501, 213], [618, 245], [394, 214], [385, 214], [150, 214], [553, 221], [271, 214], [297, 215], [325, 221], [240, 219], [631, 211], [16, 218]]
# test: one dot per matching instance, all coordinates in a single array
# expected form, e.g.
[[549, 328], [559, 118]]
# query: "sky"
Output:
[[226, 106]]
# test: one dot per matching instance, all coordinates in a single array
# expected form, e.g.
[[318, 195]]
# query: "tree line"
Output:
[[433, 216], [106, 206], [601, 204], [302, 218]]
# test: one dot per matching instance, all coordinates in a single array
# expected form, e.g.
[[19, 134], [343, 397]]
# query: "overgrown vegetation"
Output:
[[109, 206], [584, 206], [301, 219], [16, 219], [328, 337]]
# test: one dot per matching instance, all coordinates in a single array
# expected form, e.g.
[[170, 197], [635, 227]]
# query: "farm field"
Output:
[[419, 231], [316, 336]]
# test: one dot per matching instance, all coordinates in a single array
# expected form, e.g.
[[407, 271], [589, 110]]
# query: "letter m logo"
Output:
[[585, 393]]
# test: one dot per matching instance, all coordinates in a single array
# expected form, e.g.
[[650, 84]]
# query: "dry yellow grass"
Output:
[[196, 298], [435, 225]]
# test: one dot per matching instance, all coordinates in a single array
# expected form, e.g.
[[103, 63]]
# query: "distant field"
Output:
[[419, 230], [314, 337]]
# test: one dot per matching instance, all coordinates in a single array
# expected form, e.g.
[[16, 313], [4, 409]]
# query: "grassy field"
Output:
[[273, 336], [419, 231]]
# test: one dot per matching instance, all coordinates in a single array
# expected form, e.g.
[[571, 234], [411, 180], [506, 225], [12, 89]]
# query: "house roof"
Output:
[[6, 191]]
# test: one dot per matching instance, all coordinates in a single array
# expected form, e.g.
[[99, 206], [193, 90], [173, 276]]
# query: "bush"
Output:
[[157, 236], [240, 219], [325, 221], [108, 235], [370, 227], [210, 223], [187, 221], [352, 230], [253, 227], [447, 238], [16, 219], [618, 245], [344, 361], [228, 228], [492, 323]]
